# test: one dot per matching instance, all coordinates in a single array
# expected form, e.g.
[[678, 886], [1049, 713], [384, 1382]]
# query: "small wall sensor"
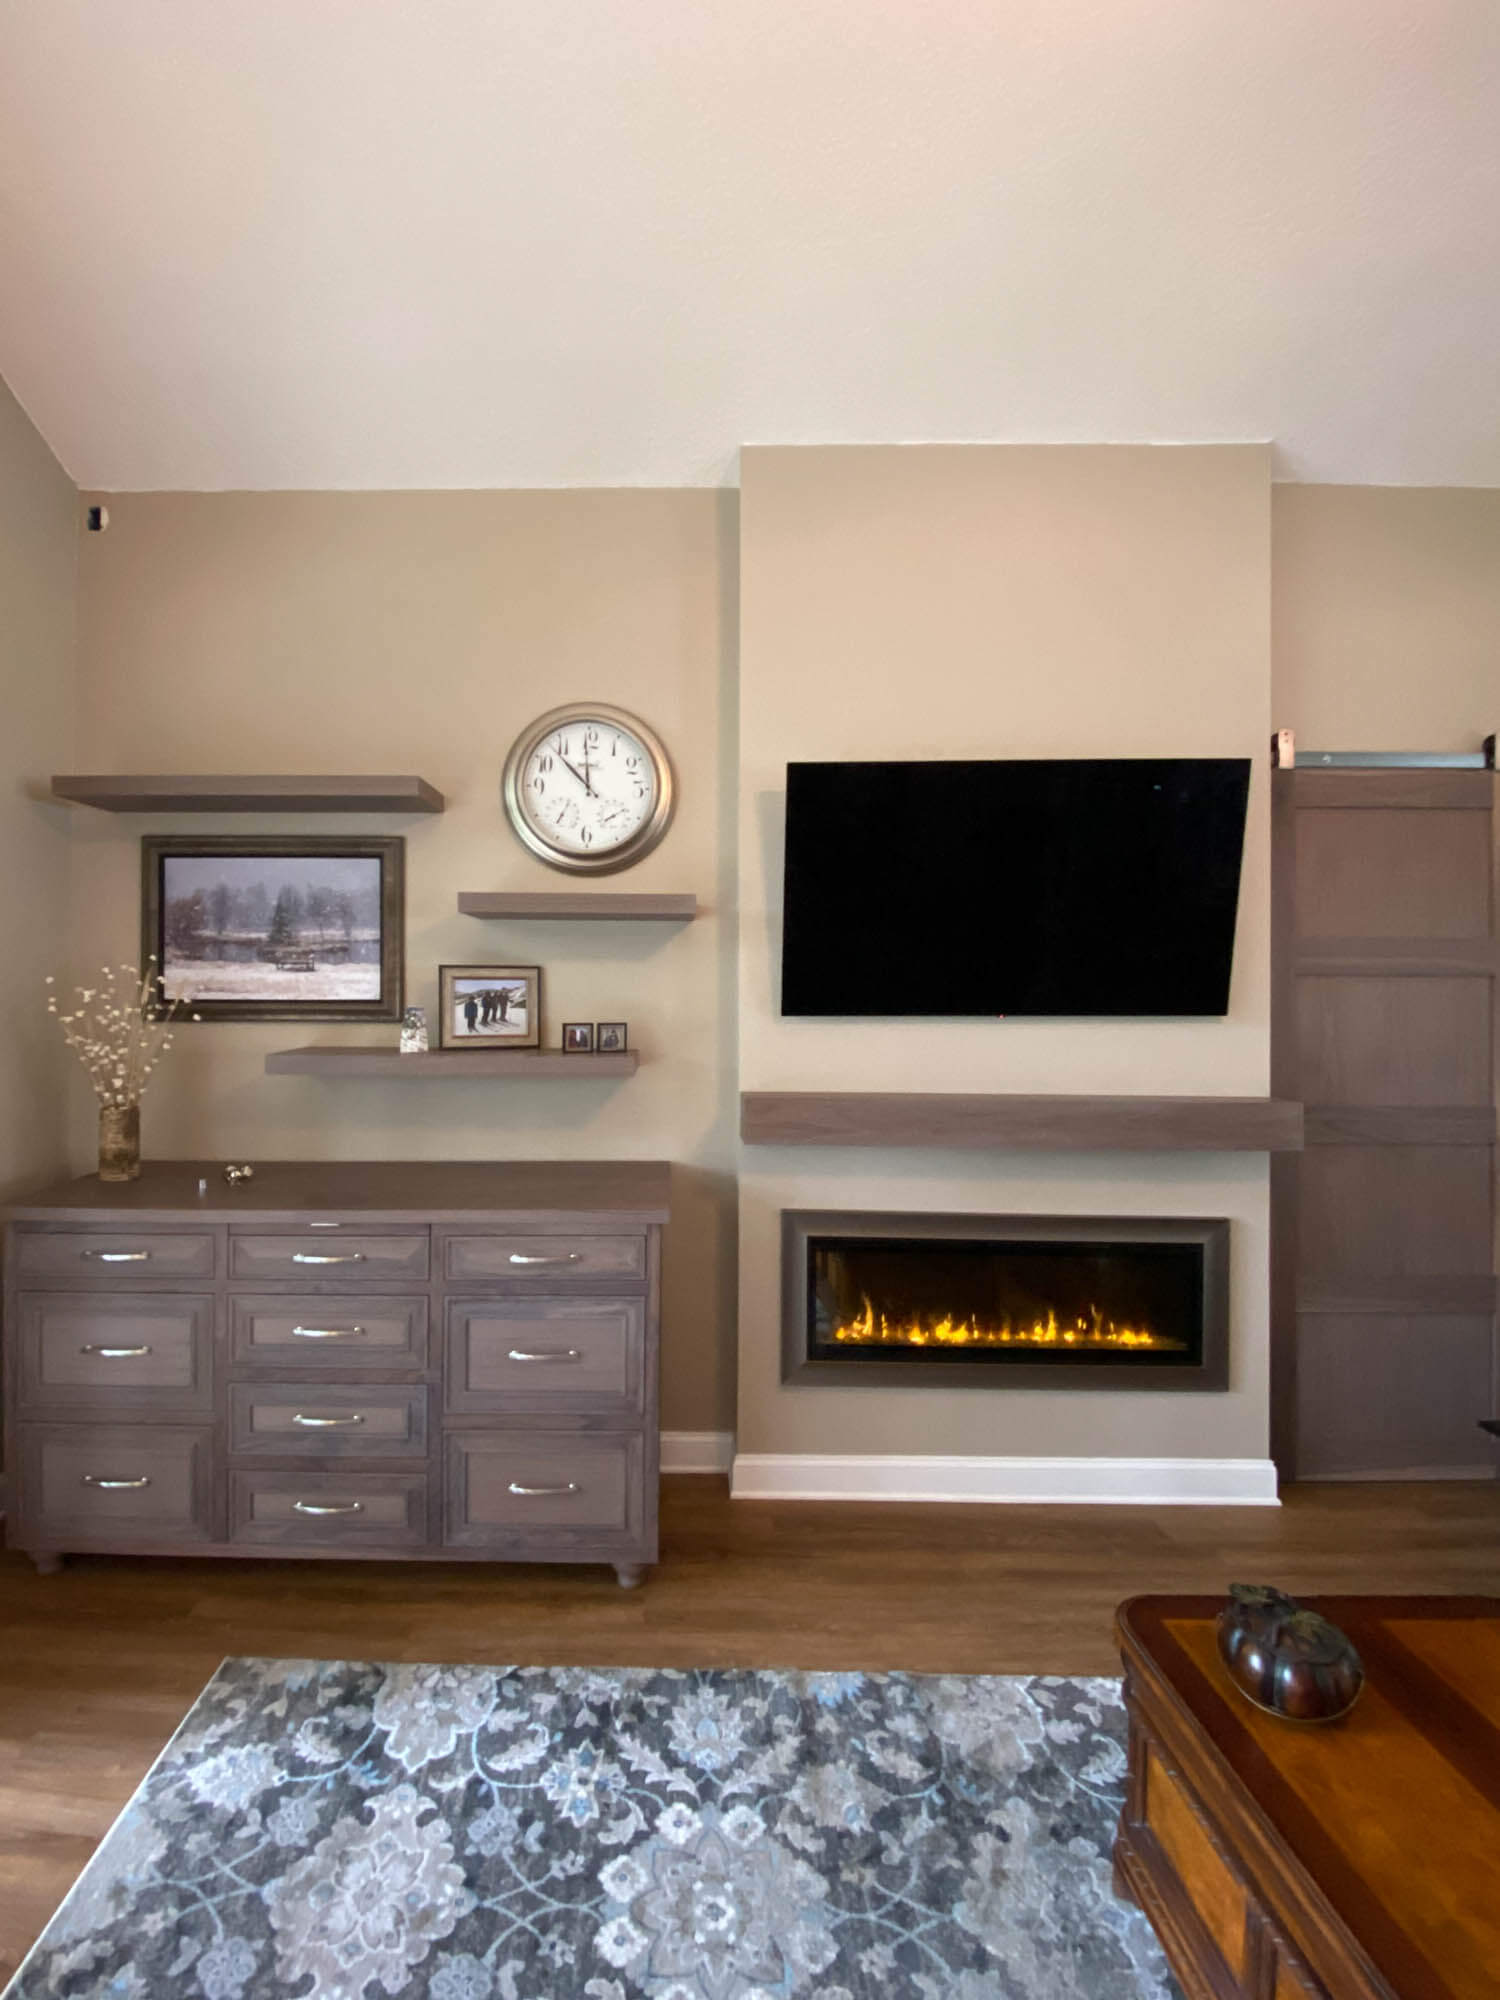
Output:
[[98, 520]]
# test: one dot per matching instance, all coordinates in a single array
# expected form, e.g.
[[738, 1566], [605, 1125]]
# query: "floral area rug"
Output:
[[349, 1832]]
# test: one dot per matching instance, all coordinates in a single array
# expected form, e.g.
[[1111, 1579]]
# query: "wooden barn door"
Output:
[[1384, 1024]]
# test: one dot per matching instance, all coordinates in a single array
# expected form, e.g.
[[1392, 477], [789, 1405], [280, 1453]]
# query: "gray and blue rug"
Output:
[[338, 1831]]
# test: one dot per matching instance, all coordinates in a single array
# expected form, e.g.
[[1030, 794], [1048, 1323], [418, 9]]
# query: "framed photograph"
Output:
[[489, 1006], [578, 1038], [610, 1037], [297, 928]]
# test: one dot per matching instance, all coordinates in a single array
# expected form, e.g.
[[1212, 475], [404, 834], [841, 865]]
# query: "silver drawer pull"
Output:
[[114, 1485], [118, 1256], [328, 1333], [325, 1225], [545, 1354], [328, 1506], [338, 1257], [572, 1257], [327, 1423], [113, 1353], [542, 1492]]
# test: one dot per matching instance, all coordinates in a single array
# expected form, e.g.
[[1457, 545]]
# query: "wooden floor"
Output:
[[98, 1665]]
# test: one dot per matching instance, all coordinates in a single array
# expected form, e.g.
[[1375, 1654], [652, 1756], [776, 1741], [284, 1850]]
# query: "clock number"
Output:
[[539, 785], [585, 835], [544, 763]]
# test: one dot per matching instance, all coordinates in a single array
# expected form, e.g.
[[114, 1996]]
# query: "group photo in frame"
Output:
[[287, 928], [489, 1006]]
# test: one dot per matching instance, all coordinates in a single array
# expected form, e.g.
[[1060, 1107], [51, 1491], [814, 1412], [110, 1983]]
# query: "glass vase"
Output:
[[119, 1142]]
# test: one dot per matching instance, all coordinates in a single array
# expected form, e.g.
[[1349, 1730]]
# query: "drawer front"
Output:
[[325, 1332], [547, 1258], [144, 1353], [326, 1420], [526, 1489], [573, 1356], [324, 1510], [316, 1257], [115, 1486], [125, 1256], [1218, 1898]]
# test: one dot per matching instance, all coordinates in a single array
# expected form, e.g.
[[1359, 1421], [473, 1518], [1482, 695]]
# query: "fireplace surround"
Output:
[[1004, 1301]]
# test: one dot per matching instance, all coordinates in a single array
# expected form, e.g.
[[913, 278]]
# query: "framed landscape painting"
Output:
[[289, 929]]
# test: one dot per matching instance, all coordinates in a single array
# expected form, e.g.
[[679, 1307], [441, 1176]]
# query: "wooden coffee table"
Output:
[[1354, 1860]]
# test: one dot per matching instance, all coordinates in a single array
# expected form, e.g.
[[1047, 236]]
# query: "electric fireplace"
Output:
[[1005, 1302]]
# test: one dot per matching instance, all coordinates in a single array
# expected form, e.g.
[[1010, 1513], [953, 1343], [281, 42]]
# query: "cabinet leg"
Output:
[[47, 1564], [629, 1574]]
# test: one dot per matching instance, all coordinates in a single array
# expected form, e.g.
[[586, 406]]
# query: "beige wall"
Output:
[[930, 601], [419, 632], [39, 514], [1386, 616]]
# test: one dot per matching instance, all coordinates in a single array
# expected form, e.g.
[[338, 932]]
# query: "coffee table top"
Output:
[[1393, 1812]]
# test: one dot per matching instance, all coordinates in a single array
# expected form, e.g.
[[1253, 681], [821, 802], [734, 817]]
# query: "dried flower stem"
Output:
[[120, 1030]]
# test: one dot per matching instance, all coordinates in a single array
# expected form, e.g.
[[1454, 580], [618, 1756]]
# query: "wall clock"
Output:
[[588, 788]]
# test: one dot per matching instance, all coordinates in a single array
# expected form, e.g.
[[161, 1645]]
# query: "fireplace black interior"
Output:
[[1021, 1301]]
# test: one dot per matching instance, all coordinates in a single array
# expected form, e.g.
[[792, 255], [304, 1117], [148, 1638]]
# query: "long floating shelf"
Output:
[[233, 794], [571, 903], [1021, 1124], [389, 1065]]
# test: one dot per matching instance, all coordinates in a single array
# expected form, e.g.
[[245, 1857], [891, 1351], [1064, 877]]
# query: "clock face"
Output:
[[588, 788]]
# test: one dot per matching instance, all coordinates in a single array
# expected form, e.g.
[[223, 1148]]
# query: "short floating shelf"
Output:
[[1002, 1123], [573, 903], [456, 1065], [247, 795]]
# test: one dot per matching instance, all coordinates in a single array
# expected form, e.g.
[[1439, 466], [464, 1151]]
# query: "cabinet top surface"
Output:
[[628, 1191], [1393, 1812]]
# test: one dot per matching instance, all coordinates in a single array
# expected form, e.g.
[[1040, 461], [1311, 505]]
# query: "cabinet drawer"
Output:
[[115, 1486], [122, 1256], [341, 1258], [148, 1352], [526, 1488], [571, 1356], [318, 1331], [329, 1510], [545, 1257], [328, 1420]]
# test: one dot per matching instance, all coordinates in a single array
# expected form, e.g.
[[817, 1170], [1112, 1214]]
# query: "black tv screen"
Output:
[[1067, 886]]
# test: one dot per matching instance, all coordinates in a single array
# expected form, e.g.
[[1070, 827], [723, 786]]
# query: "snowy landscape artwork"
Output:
[[274, 934]]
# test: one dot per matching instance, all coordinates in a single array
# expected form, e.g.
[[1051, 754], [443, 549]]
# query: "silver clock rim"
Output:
[[641, 842]]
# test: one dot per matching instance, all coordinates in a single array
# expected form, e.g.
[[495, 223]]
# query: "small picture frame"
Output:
[[489, 1006], [578, 1038], [611, 1037]]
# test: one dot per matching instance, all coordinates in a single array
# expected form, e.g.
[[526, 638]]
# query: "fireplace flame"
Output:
[[871, 1329]]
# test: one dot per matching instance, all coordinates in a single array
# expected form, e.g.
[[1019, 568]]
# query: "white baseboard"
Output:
[[1099, 1482], [697, 1451]]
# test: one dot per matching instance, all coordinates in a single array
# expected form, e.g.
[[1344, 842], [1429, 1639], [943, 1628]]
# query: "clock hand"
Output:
[[576, 772]]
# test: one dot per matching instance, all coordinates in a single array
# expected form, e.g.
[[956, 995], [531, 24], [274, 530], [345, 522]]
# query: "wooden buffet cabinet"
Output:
[[400, 1360]]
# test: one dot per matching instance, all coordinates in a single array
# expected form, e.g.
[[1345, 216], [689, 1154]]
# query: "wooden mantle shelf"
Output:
[[457, 1065], [1021, 1124], [247, 795], [576, 903]]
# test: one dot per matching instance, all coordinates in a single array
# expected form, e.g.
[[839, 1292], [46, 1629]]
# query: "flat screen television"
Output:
[[1069, 886]]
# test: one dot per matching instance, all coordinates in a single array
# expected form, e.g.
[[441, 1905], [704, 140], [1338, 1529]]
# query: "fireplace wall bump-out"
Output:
[[804, 1367]]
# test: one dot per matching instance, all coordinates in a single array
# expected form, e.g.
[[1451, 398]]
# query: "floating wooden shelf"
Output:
[[457, 1065], [570, 903], [232, 794], [1021, 1124]]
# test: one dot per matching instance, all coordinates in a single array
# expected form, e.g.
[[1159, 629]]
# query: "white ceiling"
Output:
[[384, 243]]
